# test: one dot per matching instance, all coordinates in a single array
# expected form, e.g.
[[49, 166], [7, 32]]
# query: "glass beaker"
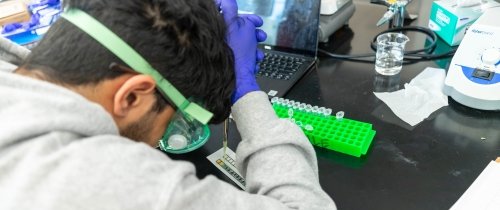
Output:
[[386, 83], [390, 53]]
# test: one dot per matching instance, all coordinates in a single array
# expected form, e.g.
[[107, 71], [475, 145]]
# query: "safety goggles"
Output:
[[183, 134]]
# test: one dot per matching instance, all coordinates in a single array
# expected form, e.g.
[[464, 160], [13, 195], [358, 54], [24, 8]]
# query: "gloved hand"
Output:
[[242, 37]]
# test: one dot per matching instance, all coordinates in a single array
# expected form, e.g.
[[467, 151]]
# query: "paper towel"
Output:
[[420, 98]]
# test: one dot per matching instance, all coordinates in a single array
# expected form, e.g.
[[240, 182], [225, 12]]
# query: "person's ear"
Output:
[[134, 97]]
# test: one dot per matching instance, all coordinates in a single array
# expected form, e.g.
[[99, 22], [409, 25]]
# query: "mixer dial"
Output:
[[491, 56]]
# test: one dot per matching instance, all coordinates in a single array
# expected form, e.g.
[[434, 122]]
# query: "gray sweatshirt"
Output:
[[60, 151], [11, 54]]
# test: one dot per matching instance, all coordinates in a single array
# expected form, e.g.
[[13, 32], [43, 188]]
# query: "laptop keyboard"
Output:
[[281, 67]]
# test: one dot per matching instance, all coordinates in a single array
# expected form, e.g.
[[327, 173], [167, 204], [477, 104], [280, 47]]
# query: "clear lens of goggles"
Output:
[[184, 134]]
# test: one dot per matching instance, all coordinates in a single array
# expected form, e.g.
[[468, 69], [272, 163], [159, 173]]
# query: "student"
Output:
[[78, 126]]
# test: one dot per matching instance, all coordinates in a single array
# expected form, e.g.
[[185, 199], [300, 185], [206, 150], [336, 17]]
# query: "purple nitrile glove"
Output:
[[11, 27], [242, 37]]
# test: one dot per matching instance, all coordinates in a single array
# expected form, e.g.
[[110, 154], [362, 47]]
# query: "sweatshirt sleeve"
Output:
[[11, 52], [275, 156], [277, 160]]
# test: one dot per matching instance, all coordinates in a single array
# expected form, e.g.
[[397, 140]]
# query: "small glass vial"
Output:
[[308, 108], [315, 110], [327, 112], [297, 104], [274, 100], [339, 115], [302, 107], [321, 110], [281, 101]]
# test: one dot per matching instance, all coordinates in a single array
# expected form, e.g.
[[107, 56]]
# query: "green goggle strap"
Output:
[[128, 55]]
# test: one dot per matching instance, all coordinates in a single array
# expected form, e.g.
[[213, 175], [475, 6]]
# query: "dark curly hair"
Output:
[[183, 39]]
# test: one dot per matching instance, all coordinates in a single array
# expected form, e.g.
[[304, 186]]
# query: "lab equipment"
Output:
[[450, 19], [473, 77], [323, 130], [384, 83], [224, 138], [290, 113], [328, 7], [43, 14], [386, 17], [188, 130], [291, 45], [390, 53], [339, 115], [227, 164], [184, 134], [395, 14], [309, 128], [334, 15], [308, 107]]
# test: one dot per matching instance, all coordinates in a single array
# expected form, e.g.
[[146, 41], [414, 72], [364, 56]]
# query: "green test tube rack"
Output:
[[324, 130]]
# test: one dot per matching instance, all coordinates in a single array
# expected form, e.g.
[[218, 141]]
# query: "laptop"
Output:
[[292, 41]]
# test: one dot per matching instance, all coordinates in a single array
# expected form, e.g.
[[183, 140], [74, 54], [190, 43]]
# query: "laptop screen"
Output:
[[291, 25]]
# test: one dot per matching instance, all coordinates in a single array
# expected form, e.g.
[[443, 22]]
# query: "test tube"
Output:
[[290, 113], [339, 115], [315, 109], [274, 100], [328, 112], [281, 101], [321, 110], [297, 105], [309, 127], [302, 107], [308, 108]]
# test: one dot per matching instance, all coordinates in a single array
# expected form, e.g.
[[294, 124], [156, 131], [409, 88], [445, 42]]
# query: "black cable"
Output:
[[358, 59], [354, 58], [428, 57], [412, 56]]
